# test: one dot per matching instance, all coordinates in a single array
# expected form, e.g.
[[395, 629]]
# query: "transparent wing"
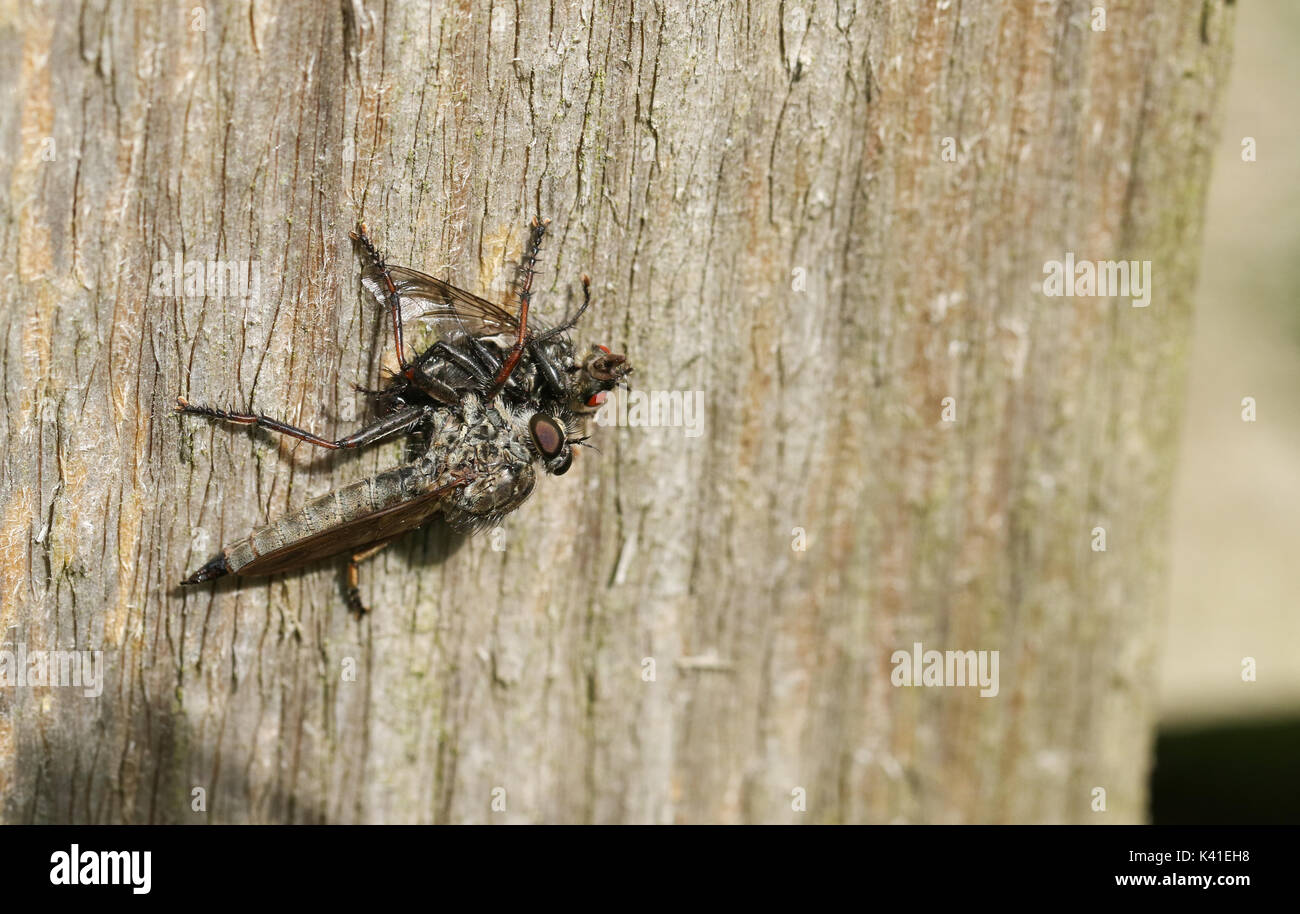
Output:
[[352, 536], [447, 305]]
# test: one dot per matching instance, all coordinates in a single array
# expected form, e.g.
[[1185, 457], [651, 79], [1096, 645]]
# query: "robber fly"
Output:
[[477, 433]]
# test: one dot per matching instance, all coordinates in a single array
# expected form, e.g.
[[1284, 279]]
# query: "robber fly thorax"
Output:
[[484, 408]]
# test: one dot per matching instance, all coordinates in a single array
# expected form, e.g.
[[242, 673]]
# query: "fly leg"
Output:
[[391, 424], [548, 373], [353, 579], [546, 369], [528, 270], [443, 393], [488, 365], [570, 322], [478, 363], [437, 389], [393, 297]]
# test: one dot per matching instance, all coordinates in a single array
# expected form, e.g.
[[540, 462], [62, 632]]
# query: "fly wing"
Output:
[[446, 304], [350, 536]]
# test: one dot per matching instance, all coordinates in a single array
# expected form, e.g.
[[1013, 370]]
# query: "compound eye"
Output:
[[547, 435]]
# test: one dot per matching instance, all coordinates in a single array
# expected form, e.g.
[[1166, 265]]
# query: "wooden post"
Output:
[[825, 225]]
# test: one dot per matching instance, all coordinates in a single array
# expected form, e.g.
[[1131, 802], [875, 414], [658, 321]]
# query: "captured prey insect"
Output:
[[488, 348], [483, 407]]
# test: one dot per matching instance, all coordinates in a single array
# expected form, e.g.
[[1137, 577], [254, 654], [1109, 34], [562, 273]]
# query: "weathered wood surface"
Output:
[[761, 197]]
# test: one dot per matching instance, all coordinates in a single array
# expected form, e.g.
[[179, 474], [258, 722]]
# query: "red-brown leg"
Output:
[[525, 296], [353, 586]]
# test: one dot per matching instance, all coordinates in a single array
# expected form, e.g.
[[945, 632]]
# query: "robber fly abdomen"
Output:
[[378, 508], [477, 469]]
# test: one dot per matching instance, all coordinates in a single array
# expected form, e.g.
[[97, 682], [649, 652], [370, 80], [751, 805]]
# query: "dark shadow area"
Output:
[[1237, 773]]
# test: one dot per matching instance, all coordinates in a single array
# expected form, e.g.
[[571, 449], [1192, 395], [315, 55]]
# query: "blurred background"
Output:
[[1228, 750]]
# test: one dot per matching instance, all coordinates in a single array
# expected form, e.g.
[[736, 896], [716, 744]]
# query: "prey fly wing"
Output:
[[449, 306]]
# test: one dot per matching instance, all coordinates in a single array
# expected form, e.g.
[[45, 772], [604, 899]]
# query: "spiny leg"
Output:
[[353, 581], [435, 388], [481, 371], [570, 322], [412, 377], [406, 371], [390, 290], [398, 421], [487, 360], [529, 268], [546, 370]]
